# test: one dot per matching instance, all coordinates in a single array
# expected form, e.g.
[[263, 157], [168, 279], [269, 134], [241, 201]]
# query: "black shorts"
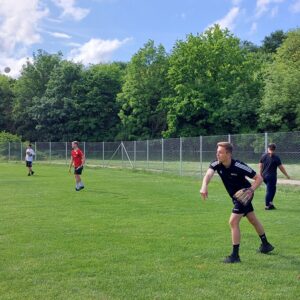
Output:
[[28, 164], [239, 208], [78, 170]]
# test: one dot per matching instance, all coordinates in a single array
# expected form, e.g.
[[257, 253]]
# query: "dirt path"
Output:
[[288, 181]]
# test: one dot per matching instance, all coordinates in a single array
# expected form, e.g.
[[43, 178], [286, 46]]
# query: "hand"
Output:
[[204, 193]]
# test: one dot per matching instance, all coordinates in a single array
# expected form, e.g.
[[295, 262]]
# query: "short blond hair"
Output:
[[228, 146]]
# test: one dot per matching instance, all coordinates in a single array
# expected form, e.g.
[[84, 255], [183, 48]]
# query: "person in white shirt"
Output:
[[29, 159]]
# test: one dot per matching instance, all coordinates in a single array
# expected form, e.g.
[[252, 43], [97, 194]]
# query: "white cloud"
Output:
[[274, 11], [96, 50], [253, 28], [60, 35], [295, 7], [19, 21], [229, 20], [15, 65], [69, 9], [263, 6], [73, 44]]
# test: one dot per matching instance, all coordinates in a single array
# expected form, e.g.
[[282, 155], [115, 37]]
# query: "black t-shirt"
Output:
[[233, 177], [270, 164]]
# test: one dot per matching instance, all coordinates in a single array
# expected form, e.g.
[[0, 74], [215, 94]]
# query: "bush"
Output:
[[6, 137]]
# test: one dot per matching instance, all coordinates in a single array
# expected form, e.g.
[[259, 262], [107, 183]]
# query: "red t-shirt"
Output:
[[77, 157]]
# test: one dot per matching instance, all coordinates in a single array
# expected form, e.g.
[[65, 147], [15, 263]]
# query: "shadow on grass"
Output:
[[293, 260]]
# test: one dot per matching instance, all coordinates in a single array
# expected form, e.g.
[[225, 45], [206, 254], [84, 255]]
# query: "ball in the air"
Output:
[[7, 69]]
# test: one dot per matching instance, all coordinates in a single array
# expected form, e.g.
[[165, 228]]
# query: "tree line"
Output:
[[209, 84]]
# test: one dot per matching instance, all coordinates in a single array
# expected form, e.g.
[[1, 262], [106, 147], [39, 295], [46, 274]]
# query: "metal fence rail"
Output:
[[183, 156]]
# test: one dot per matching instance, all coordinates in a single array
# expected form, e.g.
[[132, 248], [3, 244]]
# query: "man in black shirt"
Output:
[[268, 170], [233, 173]]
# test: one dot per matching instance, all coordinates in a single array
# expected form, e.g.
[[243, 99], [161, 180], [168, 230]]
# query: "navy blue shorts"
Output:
[[239, 208], [28, 164], [78, 170]]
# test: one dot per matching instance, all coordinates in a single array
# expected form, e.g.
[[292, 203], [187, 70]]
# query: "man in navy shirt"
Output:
[[268, 170], [233, 173]]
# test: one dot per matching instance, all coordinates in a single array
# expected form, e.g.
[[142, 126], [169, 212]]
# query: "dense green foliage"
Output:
[[210, 83], [214, 86], [144, 87], [133, 235], [280, 109], [8, 137]]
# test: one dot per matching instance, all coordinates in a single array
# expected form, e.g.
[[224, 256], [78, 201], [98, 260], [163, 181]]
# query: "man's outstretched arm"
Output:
[[204, 189]]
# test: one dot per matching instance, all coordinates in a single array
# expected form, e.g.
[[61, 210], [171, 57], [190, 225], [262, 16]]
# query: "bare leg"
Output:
[[234, 223], [255, 222], [77, 179]]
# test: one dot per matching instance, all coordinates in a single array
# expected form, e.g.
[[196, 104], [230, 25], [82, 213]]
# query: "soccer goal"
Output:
[[120, 155]]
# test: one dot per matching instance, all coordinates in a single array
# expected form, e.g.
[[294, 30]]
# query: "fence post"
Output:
[[66, 152], [229, 138], [50, 151], [162, 155], [8, 151], [147, 154], [122, 153], [266, 142], [201, 157], [180, 155], [21, 150], [35, 158], [103, 155], [84, 150], [134, 153]]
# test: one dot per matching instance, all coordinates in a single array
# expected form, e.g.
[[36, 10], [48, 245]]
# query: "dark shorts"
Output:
[[28, 164], [239, 208], [78, 171]]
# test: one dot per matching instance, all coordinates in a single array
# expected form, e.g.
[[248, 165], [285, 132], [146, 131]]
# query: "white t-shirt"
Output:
[[29, 154]]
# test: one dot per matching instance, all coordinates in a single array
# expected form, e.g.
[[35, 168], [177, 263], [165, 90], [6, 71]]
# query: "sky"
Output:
[[99, 31]]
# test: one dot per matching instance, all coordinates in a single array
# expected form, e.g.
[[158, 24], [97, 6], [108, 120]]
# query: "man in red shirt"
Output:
[[77, 160]]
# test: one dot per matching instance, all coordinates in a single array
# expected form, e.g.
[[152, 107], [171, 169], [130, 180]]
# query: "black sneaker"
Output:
[[231, 259], [81, 187], [32, 172], [270, 207], [265, 248], [77, 189], [29, 174]]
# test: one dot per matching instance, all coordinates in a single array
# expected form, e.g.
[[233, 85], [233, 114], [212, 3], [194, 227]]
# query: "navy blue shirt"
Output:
[[270, 164], [233, 177]]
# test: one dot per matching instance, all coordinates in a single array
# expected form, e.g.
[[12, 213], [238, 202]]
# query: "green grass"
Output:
[[137, 235]]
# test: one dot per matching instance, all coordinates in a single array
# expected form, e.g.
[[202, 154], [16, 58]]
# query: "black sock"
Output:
[[263, 239], [235, 250]]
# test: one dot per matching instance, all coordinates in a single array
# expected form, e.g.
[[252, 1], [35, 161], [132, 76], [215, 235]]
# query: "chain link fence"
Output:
[[183, 156]]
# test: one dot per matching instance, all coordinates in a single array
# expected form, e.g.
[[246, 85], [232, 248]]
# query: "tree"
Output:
[[32, 84], [8, 137], [6, 103], [272, 42], [215, 88], [249, 46], [55, 113], [145, 85], [96, 101], [79, 103], [280, 109]]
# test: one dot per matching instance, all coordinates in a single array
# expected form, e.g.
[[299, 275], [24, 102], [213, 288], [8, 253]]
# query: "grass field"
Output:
[[137, 235]]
